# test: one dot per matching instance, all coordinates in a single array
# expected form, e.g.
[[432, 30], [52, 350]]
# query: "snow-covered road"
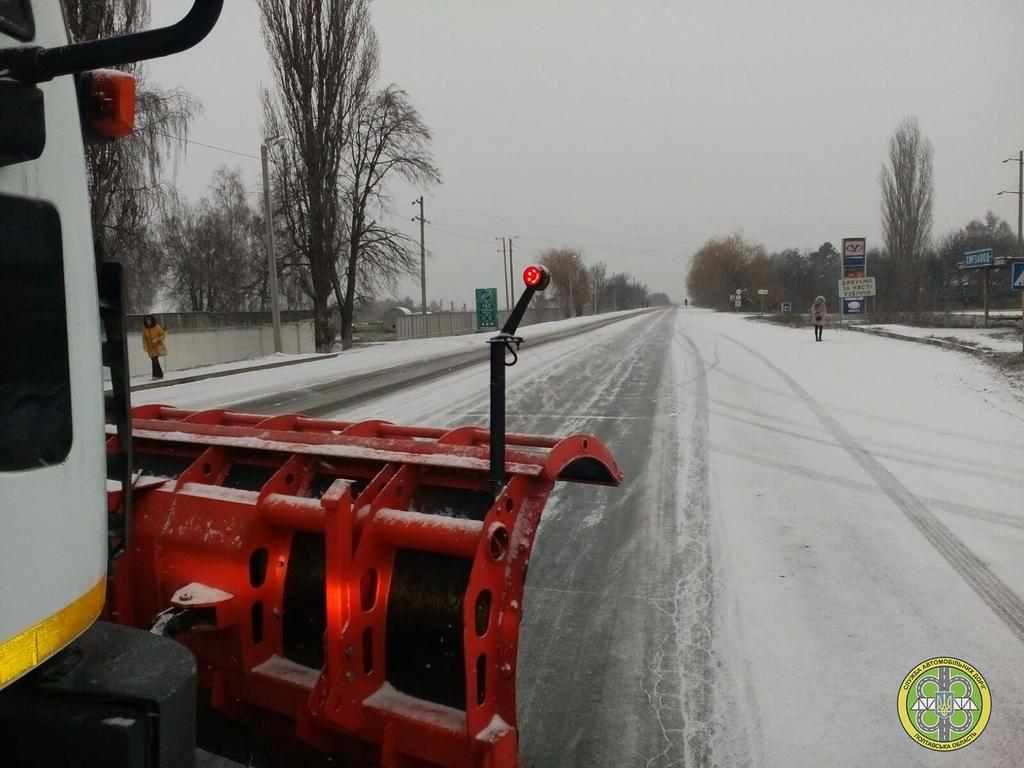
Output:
[[868, 513], [801, 525]]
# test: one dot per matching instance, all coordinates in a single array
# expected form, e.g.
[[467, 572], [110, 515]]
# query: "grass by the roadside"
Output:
[[1012, 362]]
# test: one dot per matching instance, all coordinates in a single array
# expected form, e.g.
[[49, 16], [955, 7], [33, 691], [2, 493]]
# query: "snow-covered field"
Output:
[[996, 339]]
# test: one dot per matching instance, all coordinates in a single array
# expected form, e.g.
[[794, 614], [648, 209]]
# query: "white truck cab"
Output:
[[74, 691], [53, 545]]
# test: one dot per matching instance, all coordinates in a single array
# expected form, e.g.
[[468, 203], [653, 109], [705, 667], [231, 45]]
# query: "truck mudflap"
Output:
[[362, 580]]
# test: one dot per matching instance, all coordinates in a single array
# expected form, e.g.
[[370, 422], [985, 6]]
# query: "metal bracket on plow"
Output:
[[374, 573]]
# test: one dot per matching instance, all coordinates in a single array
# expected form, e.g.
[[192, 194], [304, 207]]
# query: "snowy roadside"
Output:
[[350, 365], [144, 381], [862, 493], [969, 339]]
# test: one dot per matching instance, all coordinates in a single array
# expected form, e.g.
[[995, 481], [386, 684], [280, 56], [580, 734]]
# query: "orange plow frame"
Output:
[[213, 533]]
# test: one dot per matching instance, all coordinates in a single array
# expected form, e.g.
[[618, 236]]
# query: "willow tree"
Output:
[[126, 176]]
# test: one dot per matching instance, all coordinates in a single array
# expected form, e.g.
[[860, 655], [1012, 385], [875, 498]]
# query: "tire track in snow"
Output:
[[686, 650], [596, 691], [1003, 601], [887, 420], [694, 728], [868, 486], [579, 561], [544, 365]]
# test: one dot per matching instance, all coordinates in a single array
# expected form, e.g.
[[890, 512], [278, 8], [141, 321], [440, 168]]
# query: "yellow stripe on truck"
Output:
[[33, 646]]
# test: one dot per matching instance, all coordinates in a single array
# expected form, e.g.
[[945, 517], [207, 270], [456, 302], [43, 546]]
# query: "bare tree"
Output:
[[215, 250], [125, 176], [626, 292], [907, 194], [324, 56], [389, 139], [946, 280], [181, 241], [570, 278]]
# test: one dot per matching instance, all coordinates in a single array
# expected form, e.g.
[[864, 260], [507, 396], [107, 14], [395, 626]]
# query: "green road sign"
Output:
[[486, 307]]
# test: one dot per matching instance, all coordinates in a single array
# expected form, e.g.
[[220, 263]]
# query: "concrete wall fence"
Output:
[[456, 323], [197, 338]]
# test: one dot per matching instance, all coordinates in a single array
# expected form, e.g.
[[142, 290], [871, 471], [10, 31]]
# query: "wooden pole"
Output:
[[985, 291]]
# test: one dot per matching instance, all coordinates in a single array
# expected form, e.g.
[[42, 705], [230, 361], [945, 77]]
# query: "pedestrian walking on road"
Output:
[[819, 314], [153, 340]]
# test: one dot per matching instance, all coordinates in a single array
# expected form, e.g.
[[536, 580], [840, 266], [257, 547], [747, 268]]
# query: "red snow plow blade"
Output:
[[359, 582]]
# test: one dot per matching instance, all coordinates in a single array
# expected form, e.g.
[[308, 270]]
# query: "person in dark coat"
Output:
[[819, 315]]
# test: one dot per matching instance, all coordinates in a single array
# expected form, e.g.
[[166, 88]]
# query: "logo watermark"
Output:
[[944, 704]]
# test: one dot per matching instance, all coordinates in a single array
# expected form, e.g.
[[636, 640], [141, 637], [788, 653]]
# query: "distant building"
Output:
[[392, 315]]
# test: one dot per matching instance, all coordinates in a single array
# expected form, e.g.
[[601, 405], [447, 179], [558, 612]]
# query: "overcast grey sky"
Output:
[[637, 130]]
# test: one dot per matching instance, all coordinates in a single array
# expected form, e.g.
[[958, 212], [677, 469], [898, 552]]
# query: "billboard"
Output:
[[855, 257]]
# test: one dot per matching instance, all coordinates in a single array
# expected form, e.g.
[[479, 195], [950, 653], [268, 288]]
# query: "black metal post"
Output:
[[110, 280], [497, 415], [505, 342], [514, 319]]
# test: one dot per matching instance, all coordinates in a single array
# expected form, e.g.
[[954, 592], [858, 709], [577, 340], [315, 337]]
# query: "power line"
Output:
[[204, 144], [481, 237], [603, 237], [463, 234], [540, 241]]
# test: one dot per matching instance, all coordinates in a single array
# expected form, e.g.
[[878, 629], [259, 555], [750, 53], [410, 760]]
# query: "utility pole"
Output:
[[508, 301], [511, 271], [1020, 203], [268, 215], [423, 255], [1020, 199], [1019, 192]]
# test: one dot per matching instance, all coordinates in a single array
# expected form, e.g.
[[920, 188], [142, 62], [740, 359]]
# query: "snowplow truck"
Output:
[[348, 590]]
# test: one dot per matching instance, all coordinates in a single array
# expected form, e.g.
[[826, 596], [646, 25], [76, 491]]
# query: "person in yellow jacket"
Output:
[[153, 340]]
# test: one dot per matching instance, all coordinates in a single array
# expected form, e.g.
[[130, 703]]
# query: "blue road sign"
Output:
[[1017, 276], [853, 306], [977, 259]]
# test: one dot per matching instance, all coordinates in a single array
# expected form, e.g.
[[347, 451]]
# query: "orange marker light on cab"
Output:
[[108, 103]]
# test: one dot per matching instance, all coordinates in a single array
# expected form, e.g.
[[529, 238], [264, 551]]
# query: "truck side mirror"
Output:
[[29, 65], [107, 96]]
